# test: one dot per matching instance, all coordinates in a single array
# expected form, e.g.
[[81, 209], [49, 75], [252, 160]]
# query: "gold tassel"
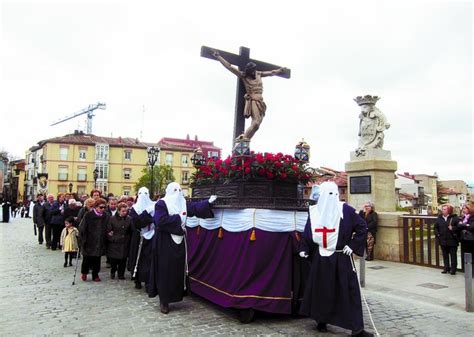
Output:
[[198, 230], [220, 234], [297, 235], [253, 237]]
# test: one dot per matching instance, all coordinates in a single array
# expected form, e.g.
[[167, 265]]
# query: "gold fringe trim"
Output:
[[240, 296], [220, 234], [198, 230]]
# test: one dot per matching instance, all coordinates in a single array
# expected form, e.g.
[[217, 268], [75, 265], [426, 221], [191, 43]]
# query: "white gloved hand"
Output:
[[347, 250], [150, 209], [304, 255], [212, 198], [183, 218]]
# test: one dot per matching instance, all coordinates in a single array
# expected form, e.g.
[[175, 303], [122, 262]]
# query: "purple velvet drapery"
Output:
[[236, 272]]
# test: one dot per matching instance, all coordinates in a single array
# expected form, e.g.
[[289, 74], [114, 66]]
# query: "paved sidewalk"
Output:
[[37, 298]]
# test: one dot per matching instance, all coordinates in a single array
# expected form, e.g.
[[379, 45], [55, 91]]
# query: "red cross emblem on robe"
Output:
[[325, 232]]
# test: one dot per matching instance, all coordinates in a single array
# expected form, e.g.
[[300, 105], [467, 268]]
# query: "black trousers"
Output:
[[48, 234], [450, 253], [91, 262], [69, 255], [118, 264], [40, 233], [56, 229]]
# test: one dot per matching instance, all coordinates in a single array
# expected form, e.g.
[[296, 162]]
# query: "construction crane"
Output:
[[90, 113]]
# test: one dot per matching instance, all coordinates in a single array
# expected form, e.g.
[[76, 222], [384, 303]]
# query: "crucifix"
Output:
[[325, 232], [249, 100]]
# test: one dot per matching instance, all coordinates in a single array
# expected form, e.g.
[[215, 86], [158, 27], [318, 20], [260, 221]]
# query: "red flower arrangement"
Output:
[[257, 166]]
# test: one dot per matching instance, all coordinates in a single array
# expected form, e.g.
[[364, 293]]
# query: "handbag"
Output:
[[467, 235]]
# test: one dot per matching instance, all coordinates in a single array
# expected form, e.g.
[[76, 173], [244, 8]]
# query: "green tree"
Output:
[[442, 199], [162, 176]]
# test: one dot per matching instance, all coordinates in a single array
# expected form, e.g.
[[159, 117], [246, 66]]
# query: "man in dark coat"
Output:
[[169, 265], [51, 209], [38, 216], [333, 232], [6, 211], [92, 239], [445, 230], [118, 240]]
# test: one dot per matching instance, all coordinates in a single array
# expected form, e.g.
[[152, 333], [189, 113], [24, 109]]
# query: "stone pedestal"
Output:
[[389, 237], [376, 168]]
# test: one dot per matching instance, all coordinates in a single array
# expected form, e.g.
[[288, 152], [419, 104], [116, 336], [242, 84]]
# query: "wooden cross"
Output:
[[241, 61]]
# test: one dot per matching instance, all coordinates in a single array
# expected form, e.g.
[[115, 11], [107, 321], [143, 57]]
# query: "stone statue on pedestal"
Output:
[[372, 124]]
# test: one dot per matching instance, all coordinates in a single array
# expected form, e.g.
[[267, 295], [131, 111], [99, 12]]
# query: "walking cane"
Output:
[[138, 256], [77, 263], [34, 227]]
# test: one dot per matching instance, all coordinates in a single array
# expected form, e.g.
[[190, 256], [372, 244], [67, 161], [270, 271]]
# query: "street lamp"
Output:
[[153, 153], [70, 187], [96, 175], [198, 157]]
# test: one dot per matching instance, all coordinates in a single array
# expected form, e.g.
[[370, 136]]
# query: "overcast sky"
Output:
[[60, 56]]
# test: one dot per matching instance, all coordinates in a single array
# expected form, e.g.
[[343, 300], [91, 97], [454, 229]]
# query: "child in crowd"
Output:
[[69, 237]]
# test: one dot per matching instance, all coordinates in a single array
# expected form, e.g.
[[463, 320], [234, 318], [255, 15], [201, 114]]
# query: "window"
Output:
[[184, 160], [81, 173], [169, 159], [81, 190], [103, 171], [62, 188], [185, 192], [127, 173], [128, 155], [101, 151], [212, 154], [102, 186], [126, 190], [63, 152], [62, 173], [82, 153], [185, 178]]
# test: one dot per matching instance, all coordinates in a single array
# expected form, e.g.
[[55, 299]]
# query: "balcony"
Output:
[[184, 181], [81, 177], [62, 176]]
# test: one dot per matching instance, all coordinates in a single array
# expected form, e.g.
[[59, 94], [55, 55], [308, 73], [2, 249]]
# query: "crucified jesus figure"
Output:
[[255, 107]]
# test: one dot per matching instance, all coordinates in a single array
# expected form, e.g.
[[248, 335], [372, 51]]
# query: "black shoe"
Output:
[[121, 277], [65, 264], [138, 285], [164, 308], [112, 276], [70, 264], [453, 272], [444, 272], [322, 327], [40, 243]]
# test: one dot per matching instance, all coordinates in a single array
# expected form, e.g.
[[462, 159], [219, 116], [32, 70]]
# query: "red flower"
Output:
[[269, 175], [294, 168], [283, 176], [261, 172], [278, 164], [247, 170], [216, 176]]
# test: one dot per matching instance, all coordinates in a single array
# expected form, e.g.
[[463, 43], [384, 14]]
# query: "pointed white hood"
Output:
[[325, 218]]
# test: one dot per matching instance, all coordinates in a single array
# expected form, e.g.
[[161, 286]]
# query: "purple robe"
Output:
[[168, 258], [144, 262], [332, 293]]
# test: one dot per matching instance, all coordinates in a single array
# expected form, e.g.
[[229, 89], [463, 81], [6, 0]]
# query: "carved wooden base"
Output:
[[253, 194]]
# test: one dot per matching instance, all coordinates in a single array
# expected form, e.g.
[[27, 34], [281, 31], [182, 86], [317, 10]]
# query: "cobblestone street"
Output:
[[37, 298]]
